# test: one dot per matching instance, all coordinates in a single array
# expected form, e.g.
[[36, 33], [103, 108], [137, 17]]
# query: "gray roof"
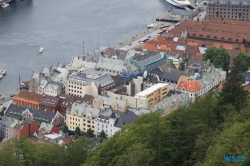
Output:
[[82, 109], [92, 71], [9, 122], [172, 77], [202, 50], [103, 80], [47, 115], [179, 47], [246, 76], [109, 101], [47, 127], [106, 114], [144, 60], [127, 118]]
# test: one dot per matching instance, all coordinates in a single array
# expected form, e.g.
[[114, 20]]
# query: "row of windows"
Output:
[[229, 13], [75, 87], [237, 6], [75, 91]]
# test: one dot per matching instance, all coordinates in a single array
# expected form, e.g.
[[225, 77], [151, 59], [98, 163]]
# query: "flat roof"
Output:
[[53, 136], [151, 89]]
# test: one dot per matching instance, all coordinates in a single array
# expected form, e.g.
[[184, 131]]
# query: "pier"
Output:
[[177, 15]]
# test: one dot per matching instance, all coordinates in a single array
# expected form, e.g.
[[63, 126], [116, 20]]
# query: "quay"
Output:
[[177, 15]]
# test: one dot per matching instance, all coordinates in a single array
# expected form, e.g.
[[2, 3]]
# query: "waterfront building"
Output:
[[27, 99], [231, 9], [91, 82]]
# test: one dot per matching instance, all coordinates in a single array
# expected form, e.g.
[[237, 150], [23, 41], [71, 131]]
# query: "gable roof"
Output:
[[170, 76], [126, 118], [32, 96], [191, 86], [37, 114]]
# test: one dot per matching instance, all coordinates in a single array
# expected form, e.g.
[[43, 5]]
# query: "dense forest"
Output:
[[214, 126]]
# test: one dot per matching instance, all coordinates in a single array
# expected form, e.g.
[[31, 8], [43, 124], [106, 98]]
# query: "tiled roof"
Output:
[[87, 98], [32, 96], [173, 77], [191, 86]]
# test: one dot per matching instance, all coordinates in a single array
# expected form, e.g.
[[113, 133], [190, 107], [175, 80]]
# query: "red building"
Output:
[[25, 128]]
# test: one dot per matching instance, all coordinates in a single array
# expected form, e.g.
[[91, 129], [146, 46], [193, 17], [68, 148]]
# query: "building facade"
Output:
[[238, 10], [151, 96], [27, 99]]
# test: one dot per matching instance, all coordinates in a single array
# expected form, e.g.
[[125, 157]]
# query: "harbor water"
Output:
[[60, 27]]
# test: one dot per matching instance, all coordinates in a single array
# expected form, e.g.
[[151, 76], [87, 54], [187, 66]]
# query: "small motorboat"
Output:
[[41, 50], [151, 25], [4, 72], [4, 5]]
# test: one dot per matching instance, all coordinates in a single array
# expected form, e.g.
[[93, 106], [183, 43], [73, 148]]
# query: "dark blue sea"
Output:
[[61, 26]]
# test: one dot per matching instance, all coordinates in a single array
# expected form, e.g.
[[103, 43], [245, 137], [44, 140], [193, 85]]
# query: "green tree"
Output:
[[65, 129], [137, 154], [76, 152], [244, 60], [232, 92], [7, 154], [90, 133], [2, 111], [218, 56], [198, 19], [24, 150], [231, 141], [49, 154], [102, 136], [77, 131]]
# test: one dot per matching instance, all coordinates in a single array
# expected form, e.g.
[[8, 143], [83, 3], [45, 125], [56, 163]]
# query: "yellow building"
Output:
[[82, 115], [151, 96]]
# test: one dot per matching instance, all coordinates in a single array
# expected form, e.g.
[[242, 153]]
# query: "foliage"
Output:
[[102, 136], [22, 152], [77, 131], [65, 129], [90, 133], [244, 60], [198, 19], [218, 56], [232, 92], [2, 111]]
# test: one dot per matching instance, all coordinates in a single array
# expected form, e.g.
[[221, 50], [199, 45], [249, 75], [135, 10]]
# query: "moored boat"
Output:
[[4, 5], [41, 50]]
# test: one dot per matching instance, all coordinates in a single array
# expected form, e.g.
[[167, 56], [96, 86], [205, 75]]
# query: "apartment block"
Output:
[[152, 95]]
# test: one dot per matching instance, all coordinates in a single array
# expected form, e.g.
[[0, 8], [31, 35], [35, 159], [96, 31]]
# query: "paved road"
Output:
[[134, 40], [8, 96]]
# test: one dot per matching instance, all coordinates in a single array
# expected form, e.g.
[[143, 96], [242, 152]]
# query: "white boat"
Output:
[[41, 50], [151, 25], [179, 3], [1, 75], [4, 72], [4, 5]]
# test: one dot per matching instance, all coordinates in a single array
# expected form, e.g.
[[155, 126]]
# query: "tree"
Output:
[[2, 111], [233, 92], [198, 19], [76, 152], [65, 129], [90, 133], [102, 136], [77, 131], [244, 60], [218, 56]]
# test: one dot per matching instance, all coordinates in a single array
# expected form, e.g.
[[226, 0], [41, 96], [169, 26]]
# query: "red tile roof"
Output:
[[191, 86]]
